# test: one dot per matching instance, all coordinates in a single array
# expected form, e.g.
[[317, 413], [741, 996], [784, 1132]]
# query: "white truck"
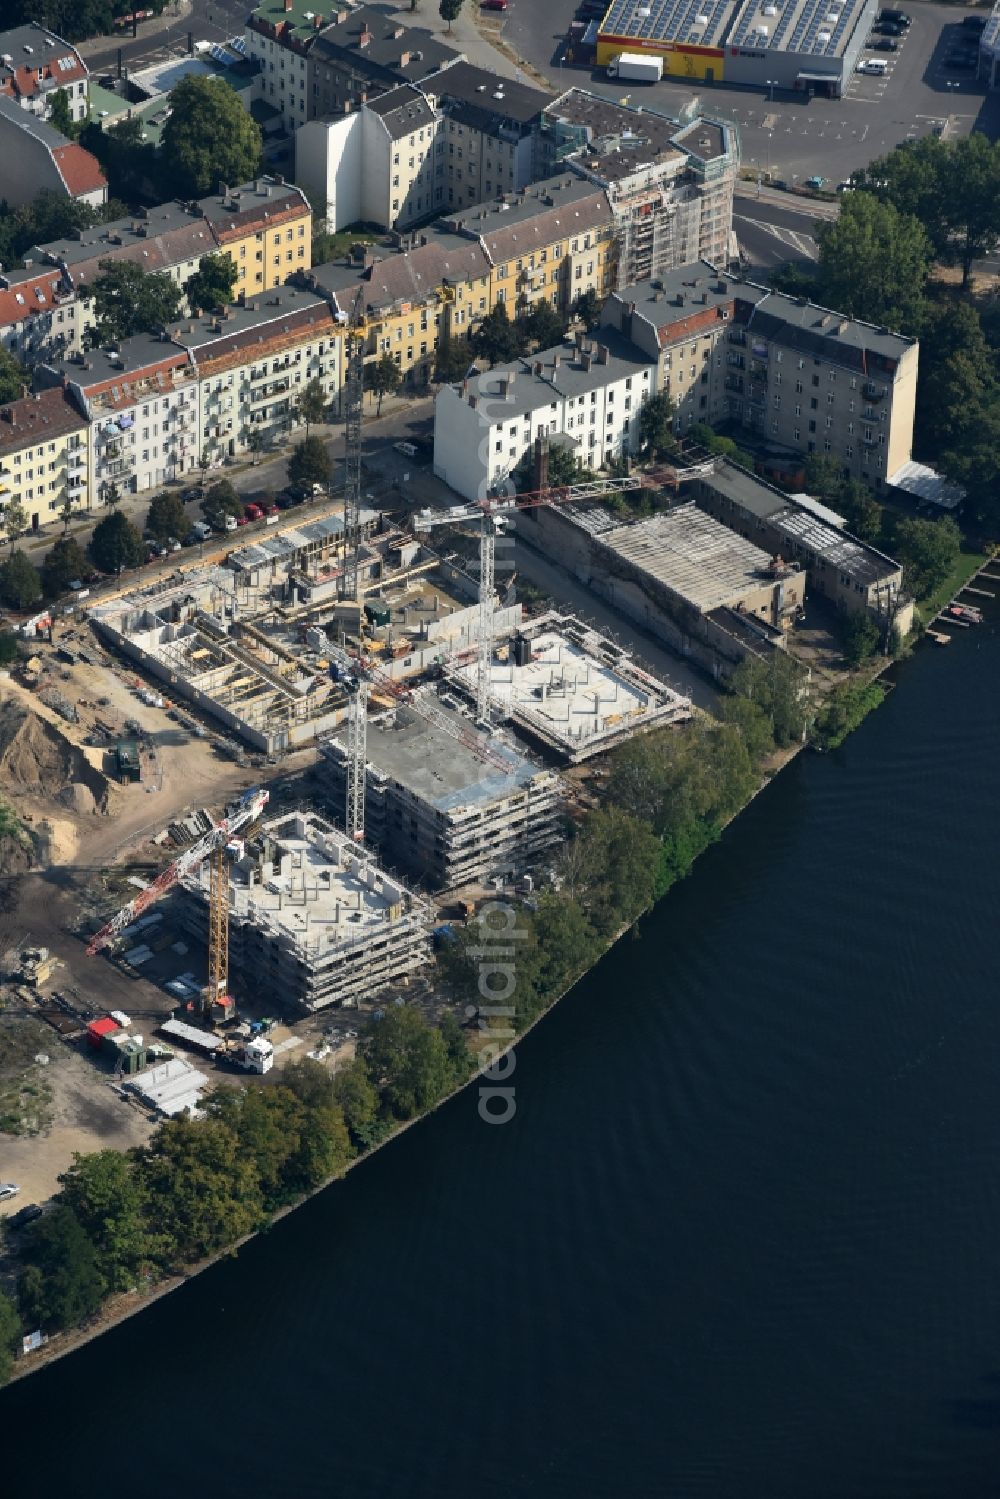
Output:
[[636, 67]]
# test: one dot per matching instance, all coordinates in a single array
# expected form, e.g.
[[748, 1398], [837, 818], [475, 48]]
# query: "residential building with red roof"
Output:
[[37, 158], [35, 63]]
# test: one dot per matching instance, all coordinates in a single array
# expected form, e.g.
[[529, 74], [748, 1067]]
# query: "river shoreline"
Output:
[[117, 1310]]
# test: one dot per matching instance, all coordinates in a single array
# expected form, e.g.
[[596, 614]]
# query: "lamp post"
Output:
[[770, 85]]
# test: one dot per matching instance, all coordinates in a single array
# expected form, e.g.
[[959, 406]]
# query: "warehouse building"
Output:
[[313, 920], [811, 46], [436, 807], [710, 594]]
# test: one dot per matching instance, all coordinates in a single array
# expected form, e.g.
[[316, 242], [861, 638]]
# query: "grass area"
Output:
[[966, 565], [11, 825], [25, 1095]]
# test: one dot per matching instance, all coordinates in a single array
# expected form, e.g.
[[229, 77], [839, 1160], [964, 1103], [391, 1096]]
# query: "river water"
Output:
[[742, 1238]]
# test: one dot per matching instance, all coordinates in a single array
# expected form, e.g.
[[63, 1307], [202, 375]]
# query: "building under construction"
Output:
[[436, 808], [313, 920], [573, 690]]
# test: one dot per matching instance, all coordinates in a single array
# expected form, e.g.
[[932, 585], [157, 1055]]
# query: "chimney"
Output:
[[602, 353], [364, 40], [399, 31], [556, 361], [404, 58], [288, 7], [317, 22], [585, 360], [679, 299]]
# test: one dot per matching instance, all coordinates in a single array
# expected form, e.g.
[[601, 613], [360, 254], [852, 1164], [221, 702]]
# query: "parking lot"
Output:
[[794, 137]]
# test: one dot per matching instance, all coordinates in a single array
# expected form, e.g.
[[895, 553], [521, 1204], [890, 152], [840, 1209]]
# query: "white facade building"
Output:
[[587, 395]]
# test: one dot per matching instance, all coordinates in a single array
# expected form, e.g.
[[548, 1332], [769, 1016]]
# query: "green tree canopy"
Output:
[[212, 284], [129, 300], [104, 1190], [61, 114], [386, 378], [15, 520], [116, 544], [13, 377], [587, 308], [202, 1189], [545, 324], [10, 1334], [67, 1286], [873, 263], [656, 426], [497, 338], [311, 404], [450, 10], [167, 517], [220, 499], [928, 550], [209, 138], [407, 1061], [20, 583], [354, 1093], [65, 561], [453, 359], [310, 462], [777, 685]]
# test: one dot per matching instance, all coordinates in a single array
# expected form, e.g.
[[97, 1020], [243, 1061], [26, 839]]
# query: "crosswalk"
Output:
[[803, 244]]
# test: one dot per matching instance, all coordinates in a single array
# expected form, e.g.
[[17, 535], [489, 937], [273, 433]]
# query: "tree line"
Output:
[[125, 1220]]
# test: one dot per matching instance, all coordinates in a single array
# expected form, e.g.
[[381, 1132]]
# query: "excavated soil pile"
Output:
[[36, 760]]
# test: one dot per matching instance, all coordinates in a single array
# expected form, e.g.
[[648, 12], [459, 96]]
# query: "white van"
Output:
[[874, 66], [406, 448]]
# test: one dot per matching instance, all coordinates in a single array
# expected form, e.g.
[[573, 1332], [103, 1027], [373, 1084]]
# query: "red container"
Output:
[[98, 1029]]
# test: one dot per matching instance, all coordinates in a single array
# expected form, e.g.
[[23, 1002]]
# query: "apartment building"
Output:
[[797, 377], [35, 63], [264, 227], [551, 242], [140, 402], [44, 459], [584, 394], [250, 363], [411, 299], [670, 184], [488, 134], [38, 314], [315, 65], [36, 158]]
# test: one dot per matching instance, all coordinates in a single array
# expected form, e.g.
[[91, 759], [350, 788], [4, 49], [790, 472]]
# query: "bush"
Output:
[[20, 583]]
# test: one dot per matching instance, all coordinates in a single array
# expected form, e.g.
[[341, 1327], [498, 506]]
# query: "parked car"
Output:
[[816, 183], [26, 1215], [286, 501], [193, 493], [873, 66], [274, 509], [8, 1190], [900, 17], [76, 585], [495, 4], [882, 44], [253, 512], [173, 545], [242, 520], [406, 448], [889, 28]]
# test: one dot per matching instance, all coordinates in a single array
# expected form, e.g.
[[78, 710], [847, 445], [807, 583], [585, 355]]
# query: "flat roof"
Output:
[[696, 557], [486, 98], [702, 23], [287, 544], [925, 483], [622, 138], [437, 766], [813, 28], [857, 561]]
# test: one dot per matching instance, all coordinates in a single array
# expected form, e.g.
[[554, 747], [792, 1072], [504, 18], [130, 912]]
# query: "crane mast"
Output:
[[354, 391]]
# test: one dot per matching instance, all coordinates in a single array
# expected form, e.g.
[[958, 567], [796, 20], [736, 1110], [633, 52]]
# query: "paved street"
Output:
[[794, 136]]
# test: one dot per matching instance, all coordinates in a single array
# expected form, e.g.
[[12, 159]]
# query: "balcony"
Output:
[[872, 392], [737, 361], [734, 382], [737, 336]]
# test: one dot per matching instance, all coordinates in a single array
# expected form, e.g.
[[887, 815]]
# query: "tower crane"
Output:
[[354, 391], [210, 846], [493, 515]]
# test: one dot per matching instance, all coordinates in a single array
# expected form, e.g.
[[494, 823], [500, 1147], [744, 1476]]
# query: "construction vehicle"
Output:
[[216, 1000]]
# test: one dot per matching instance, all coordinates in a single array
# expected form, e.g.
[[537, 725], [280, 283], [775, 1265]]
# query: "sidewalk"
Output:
[[466, 37], [174, 12]]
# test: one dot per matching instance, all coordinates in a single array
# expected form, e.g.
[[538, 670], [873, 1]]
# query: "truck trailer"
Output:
[[636, 67]]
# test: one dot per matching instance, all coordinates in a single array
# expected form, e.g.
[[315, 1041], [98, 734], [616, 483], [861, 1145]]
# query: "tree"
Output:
[[104, 1192], [268, 1125], [212, 284], [256, 442], [860, 509], [10, 1334], [847, 705], [752, 723], [497, 338], [111, 494], [777, 686], [587, 309], [618, 863], [353, 1091], [928, 550], [128, 300], [66, 511], [860, 635], [310, 462], [67, 1286], [873, 263], [221, 499], [407, 1061], [65, 561], [452, 361], [166, 517], [8, 647], [459, 1056], [450, 10], [544, 324], [60, 114], [116, 544], [15, 521], [209, 138], [386, 379], [203, 1193], [20, 583], [311, 404], [13, 378], [824, 475], [656, 424]]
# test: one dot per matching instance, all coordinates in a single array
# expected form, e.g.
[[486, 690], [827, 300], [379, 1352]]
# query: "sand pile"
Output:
[[78, 797], [35, 759]]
